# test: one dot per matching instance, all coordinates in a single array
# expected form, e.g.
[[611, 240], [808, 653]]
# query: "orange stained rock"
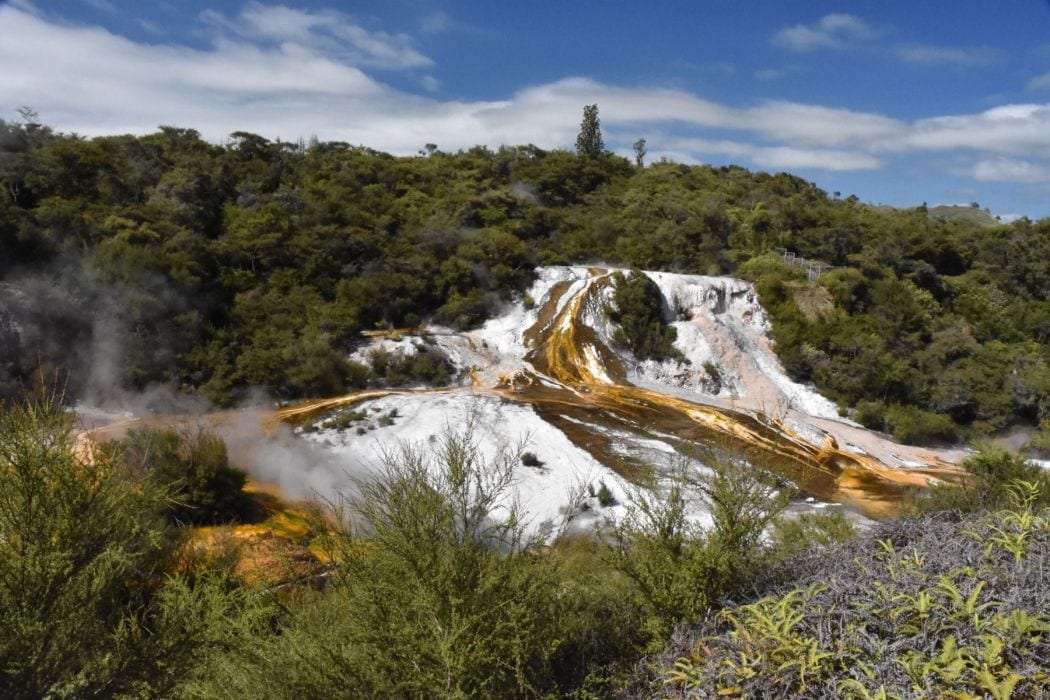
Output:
[[573, 380]]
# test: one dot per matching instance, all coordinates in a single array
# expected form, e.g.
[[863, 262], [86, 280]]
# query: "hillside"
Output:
[[971, 215], [163, 260]]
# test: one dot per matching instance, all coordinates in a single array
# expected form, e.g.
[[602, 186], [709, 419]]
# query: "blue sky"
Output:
[[896, 102]]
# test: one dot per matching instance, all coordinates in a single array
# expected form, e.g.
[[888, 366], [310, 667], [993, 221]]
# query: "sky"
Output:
[[898, 103]]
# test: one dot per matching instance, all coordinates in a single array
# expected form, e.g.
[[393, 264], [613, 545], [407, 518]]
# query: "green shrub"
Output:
[[794, 535], [915, 426], [680, 568], [871, 414], [343, 419], [529, 459], [637, 309], [1040, 442], [992, 470], [194, 467], [439, 593], [88, 604]]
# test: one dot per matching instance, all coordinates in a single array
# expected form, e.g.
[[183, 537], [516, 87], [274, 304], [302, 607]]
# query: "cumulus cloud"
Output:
[[286, 73], [833, 31]]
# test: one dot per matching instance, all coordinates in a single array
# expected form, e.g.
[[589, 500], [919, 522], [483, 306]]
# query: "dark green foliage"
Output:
[[192, 466], [931, 607], [638, 311], [908, 424], [427, 365], [589, 141], [529, 459]]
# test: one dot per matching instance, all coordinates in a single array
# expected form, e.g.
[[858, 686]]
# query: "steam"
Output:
[[525, 190], [301, 469]]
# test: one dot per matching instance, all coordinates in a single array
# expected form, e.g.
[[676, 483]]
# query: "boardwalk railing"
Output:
[[813, 268]]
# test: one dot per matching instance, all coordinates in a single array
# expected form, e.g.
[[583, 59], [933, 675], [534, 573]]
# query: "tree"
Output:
[[589, 143], [639, 153]]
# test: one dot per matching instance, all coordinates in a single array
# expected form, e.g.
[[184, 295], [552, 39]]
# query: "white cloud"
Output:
[[1009, 170], [1009, 130], [102, 5], [947, 55], [436, 23], [778, 157], [832, 31], [326, 30], [269, 77], [814, 125], [1039, 82]]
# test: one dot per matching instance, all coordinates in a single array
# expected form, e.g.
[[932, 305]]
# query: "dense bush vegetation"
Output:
[[637, 309], [164, 258]]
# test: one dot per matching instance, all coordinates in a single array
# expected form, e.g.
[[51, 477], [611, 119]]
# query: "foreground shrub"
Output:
[[439, 592], [930, 607], [993, 470], [86, 606], [679, 567]]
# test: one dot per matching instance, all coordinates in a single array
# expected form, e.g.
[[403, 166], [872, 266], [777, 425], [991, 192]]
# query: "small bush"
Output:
[[605, 496], [637, 310], [679, 568], [871, 414], [992, 471], [794, 535], [1040, 442], [343, 419], [194, 466], [915, 426], [529, 459]]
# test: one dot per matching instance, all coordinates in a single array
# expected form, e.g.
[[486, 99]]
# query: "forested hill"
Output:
[[167, 259]]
